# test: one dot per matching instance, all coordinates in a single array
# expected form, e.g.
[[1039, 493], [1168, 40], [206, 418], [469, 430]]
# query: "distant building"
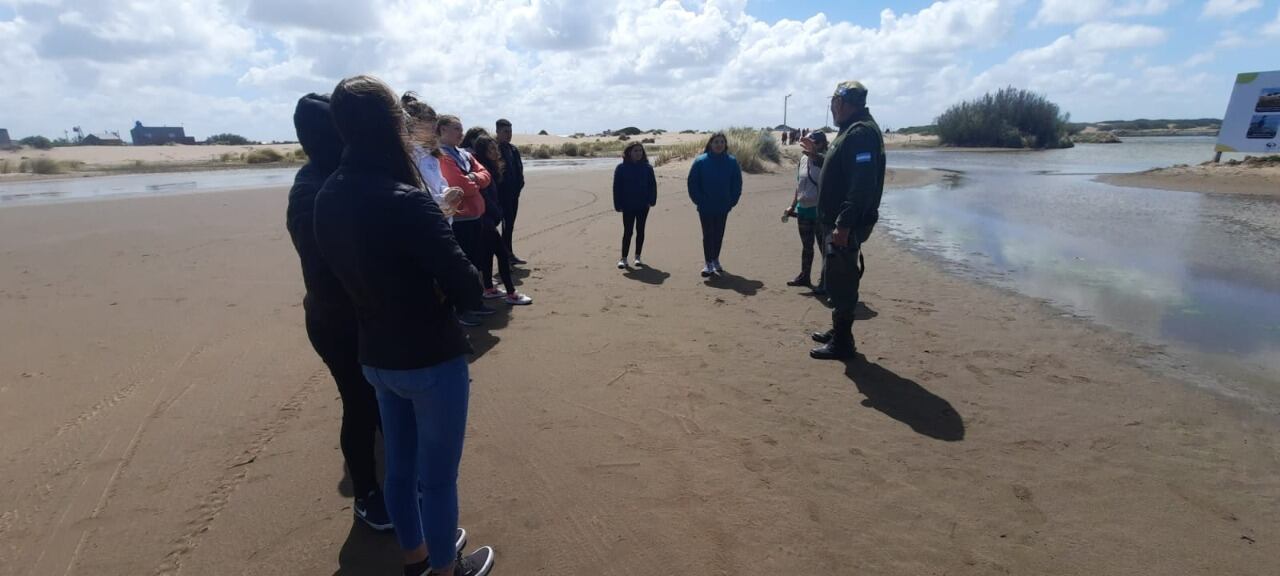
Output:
[[102, 139], [4, 138], [156, 135]]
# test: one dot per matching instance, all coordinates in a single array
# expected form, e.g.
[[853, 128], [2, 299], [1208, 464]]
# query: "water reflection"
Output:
[[1195, 270], [57, 190]]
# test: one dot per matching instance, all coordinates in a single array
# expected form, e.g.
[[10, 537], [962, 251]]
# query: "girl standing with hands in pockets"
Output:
[[635, 191]]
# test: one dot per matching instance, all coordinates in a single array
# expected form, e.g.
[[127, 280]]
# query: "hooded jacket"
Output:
[[396, 256], [323, 145], [715, 183], [634, 187], [512, 173]]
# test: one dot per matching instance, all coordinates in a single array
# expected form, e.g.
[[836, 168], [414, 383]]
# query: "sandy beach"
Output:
[[1209, 178], [164, 413]]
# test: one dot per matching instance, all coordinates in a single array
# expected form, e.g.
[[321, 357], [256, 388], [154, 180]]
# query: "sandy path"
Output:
[[164, 413]]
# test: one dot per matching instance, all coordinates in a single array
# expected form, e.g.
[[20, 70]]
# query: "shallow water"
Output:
[[1194, 270], [71, 189]]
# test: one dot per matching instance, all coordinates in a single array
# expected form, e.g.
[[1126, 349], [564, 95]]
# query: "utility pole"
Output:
[[784, 110]]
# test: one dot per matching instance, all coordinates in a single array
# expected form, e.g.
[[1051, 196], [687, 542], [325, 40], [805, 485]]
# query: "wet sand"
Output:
[[165, 414], [1211, 179]]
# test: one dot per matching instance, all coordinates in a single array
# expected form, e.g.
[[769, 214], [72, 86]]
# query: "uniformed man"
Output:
[[849, 193]]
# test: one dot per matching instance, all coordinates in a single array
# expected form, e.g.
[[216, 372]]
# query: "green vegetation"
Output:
[[1010, 118], [37, 142], [5, 168], [228, 139], [263, 156], [930, 130], [300, 155], [51, 166], [628, 131], [569, 149], [754, 149]]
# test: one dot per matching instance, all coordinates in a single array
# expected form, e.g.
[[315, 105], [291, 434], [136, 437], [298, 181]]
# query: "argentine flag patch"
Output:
[[862, 157]]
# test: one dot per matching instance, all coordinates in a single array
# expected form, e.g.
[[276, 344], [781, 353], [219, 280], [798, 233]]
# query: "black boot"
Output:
[[801, 280], [841, 345], [822, 337]]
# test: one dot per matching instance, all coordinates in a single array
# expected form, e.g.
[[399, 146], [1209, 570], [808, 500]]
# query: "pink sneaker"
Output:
[[517, 299], [493, 293]]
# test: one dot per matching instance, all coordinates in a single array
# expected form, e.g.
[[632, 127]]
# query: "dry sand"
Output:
[[163, 412], [1209, 178]]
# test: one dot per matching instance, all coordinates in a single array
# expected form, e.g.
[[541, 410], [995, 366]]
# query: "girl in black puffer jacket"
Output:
[[635, 190]]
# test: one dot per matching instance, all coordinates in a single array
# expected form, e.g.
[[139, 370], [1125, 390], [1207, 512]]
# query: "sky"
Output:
[[239, 66]]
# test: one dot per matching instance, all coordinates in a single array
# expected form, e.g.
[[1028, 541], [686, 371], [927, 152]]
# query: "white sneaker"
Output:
[[622, 264], [716, 264], [708, 270], [638, 263], [517, 299]]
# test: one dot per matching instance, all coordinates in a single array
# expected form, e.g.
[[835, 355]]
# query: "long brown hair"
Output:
[[713, 139], [485, 149], [421, 123], [626, 152], [372, 123]]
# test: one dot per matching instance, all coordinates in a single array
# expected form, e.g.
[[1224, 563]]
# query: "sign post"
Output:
[[1252, 122]]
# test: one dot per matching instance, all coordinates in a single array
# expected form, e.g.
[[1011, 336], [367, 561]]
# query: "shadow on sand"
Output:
[[647, 274], [904, 400], [727, 281]]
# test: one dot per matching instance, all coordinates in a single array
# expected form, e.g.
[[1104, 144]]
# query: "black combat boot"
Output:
[[840, 347]]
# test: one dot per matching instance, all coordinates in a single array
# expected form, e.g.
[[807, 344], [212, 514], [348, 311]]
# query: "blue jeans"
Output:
[[424, 420]]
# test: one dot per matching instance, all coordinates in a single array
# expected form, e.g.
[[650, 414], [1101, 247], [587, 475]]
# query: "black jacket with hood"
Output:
[[323, 145], [395, 254]]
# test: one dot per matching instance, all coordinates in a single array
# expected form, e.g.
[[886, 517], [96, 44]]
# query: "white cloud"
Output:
[[1078, 11], [1111, 36], [1229, 8], [240, 65], [1273, 29]]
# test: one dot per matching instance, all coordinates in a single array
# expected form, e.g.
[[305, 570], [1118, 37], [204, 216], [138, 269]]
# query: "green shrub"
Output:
[[4, 167], [542, 152], [300, 155], [24, 166], [628, 131], [263, 156], [1010, 118], [569, 149], [37, 142], [226, 157], [47, 166], [230, 139]]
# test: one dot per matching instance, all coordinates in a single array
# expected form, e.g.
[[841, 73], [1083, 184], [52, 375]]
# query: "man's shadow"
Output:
[[647, 274], [904, 400], [727, 281]]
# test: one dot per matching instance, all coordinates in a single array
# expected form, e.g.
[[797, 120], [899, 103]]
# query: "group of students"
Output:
[[715, 186], [395, 218]]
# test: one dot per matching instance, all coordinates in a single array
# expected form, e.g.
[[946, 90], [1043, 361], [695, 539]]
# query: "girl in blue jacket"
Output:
[[635, 190], [715, 185]]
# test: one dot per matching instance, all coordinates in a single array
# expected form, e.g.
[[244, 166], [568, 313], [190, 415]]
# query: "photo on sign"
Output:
[[1268, 101], [1264, 127]]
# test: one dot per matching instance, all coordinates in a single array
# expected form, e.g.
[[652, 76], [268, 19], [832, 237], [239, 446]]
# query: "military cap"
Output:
[[851, 91]]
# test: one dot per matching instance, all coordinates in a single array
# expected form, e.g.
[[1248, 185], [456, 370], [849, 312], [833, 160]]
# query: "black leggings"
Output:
[[495, 246], [633, 220], [808, 238], [510, 207], [712, 234], [333, 334]]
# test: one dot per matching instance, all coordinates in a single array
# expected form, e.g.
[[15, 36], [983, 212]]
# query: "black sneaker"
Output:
[[799, 281], [372, 510], [477, 563], [822, 337], [518, 261], [483, 311]]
